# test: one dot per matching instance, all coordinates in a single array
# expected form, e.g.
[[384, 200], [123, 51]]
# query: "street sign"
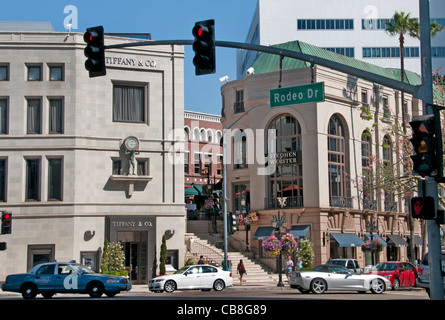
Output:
[[313, 92]]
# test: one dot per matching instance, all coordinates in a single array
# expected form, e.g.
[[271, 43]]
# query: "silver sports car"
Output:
[[331, 277]]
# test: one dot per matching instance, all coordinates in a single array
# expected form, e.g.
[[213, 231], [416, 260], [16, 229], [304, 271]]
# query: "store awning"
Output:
[[347, 239], [396, 240], [300, 232], [418, 241], [376, 236], [194, 190], [263, 233]]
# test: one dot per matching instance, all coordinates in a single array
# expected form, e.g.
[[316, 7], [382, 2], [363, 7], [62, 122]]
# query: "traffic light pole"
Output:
[[431, 188]]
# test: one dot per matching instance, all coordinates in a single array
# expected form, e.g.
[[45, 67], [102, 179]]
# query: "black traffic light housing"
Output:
[[231, 221], [6, 226], [423, 208], [204, 47], [95, 51], [425, 143]]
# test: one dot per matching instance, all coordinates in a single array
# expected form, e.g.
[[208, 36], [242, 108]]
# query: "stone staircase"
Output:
[[211, 246]]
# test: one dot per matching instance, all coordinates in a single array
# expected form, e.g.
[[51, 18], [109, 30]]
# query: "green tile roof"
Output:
[[266, 62]]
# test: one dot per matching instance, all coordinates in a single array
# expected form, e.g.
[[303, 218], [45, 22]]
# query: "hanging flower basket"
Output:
[[247, 219], [208, 204], [272, 246], [288, 244], [372, 245]]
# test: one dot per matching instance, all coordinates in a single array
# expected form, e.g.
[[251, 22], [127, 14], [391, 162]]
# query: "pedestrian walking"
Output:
[[241, 270], [288, 266]]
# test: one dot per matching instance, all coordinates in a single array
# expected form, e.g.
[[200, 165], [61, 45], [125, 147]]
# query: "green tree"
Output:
[[163, 256], [306, 253], [400, 25], [105, 257]]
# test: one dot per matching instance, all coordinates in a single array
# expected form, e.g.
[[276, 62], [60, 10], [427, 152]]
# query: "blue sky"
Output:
[[165, 20]]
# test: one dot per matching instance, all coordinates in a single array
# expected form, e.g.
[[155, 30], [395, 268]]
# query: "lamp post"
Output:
[[278, 222], [372, 226]]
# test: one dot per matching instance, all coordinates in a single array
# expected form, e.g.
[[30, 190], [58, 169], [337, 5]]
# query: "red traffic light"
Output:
[[6, 216], [423, 208]]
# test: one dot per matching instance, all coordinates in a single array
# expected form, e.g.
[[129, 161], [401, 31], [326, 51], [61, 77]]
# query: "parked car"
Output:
[[64, 277], [423, 280], [351, 264], [401, 274], [333, 277], [204, 277]]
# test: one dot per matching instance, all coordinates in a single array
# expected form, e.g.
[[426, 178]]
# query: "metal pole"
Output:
[[434, 245]]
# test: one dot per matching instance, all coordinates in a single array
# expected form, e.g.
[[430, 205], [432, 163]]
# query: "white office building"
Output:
[[349, 27]]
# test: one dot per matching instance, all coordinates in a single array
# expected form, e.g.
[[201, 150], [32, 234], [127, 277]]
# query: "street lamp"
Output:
[[278, 222], [372, 226]]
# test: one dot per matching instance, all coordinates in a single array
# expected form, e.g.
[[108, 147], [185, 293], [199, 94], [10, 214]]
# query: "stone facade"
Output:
[[62, 209]]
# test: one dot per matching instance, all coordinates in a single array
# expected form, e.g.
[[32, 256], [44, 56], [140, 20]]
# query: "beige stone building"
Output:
[[309, 152], [70, 174]]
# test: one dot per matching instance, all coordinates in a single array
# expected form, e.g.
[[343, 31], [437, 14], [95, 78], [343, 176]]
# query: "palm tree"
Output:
[[402, 24]]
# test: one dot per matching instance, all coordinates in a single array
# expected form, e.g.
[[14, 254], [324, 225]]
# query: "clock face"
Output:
[[132, 143]]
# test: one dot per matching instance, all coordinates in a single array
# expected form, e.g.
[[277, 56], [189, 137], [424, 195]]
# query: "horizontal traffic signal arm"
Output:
[[388, 82]]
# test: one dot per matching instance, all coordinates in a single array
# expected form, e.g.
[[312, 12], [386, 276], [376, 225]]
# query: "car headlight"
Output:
[[388, 276]]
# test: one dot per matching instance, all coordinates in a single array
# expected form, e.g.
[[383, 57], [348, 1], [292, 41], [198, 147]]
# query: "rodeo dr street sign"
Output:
[[313, 92]]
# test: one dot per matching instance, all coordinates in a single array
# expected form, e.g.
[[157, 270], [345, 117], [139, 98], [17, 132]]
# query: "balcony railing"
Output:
[[369, 204], [291, 202], [341, 202], [391, 206], [238, 107]]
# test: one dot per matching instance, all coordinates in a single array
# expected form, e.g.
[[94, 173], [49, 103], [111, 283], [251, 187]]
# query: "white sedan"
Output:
[[331, 277], [204, 277]]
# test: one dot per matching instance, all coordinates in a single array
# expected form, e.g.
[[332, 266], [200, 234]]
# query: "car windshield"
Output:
[[336, 262], [182, 270], [385, 267], [82, 269]]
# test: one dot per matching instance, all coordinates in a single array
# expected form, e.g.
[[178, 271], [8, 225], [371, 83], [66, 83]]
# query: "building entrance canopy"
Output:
[[347, 239]]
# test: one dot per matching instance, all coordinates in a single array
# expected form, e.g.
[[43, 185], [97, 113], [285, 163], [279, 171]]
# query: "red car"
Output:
[[401, 274]]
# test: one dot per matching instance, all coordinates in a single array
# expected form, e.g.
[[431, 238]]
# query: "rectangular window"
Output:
[[55, 178], [34, 111], [117, 167], [3, 180], [129, 103], [325, 24], [197, 163], [32, 192], [56, 115], [56, 73], [142, 165], [34, 72], [3, 116], [4, 72], [239, 102]]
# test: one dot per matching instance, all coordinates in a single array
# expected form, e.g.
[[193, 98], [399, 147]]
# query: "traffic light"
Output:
[[423, 208], [204, 47], [95, 51], [425, 160], [231, 223], [6, 222]]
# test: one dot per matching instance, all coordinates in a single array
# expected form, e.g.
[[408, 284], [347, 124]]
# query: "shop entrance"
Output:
[[135, 252]]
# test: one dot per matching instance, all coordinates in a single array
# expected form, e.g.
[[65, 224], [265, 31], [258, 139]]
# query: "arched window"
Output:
[[186, 134], [367, 173], [339, 190], [285, 152], [390, 203]]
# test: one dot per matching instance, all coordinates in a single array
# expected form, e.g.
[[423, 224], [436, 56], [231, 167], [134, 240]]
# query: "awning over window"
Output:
[[300, 232], [396, 240], [263, 233], [347, 239], [376, 236], [194, 190], [417, 240]]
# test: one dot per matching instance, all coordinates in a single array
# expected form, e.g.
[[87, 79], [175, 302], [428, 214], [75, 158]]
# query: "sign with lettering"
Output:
[[313, 92], [132, 223], [282, 158], [129, 62]]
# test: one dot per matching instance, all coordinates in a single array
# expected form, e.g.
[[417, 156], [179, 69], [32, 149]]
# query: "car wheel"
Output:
[[95, 290], [29, 291], [378, 286], [396, 284], [48, 295], [219, 285], [318, 286], [170, 286], [110, 294]]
